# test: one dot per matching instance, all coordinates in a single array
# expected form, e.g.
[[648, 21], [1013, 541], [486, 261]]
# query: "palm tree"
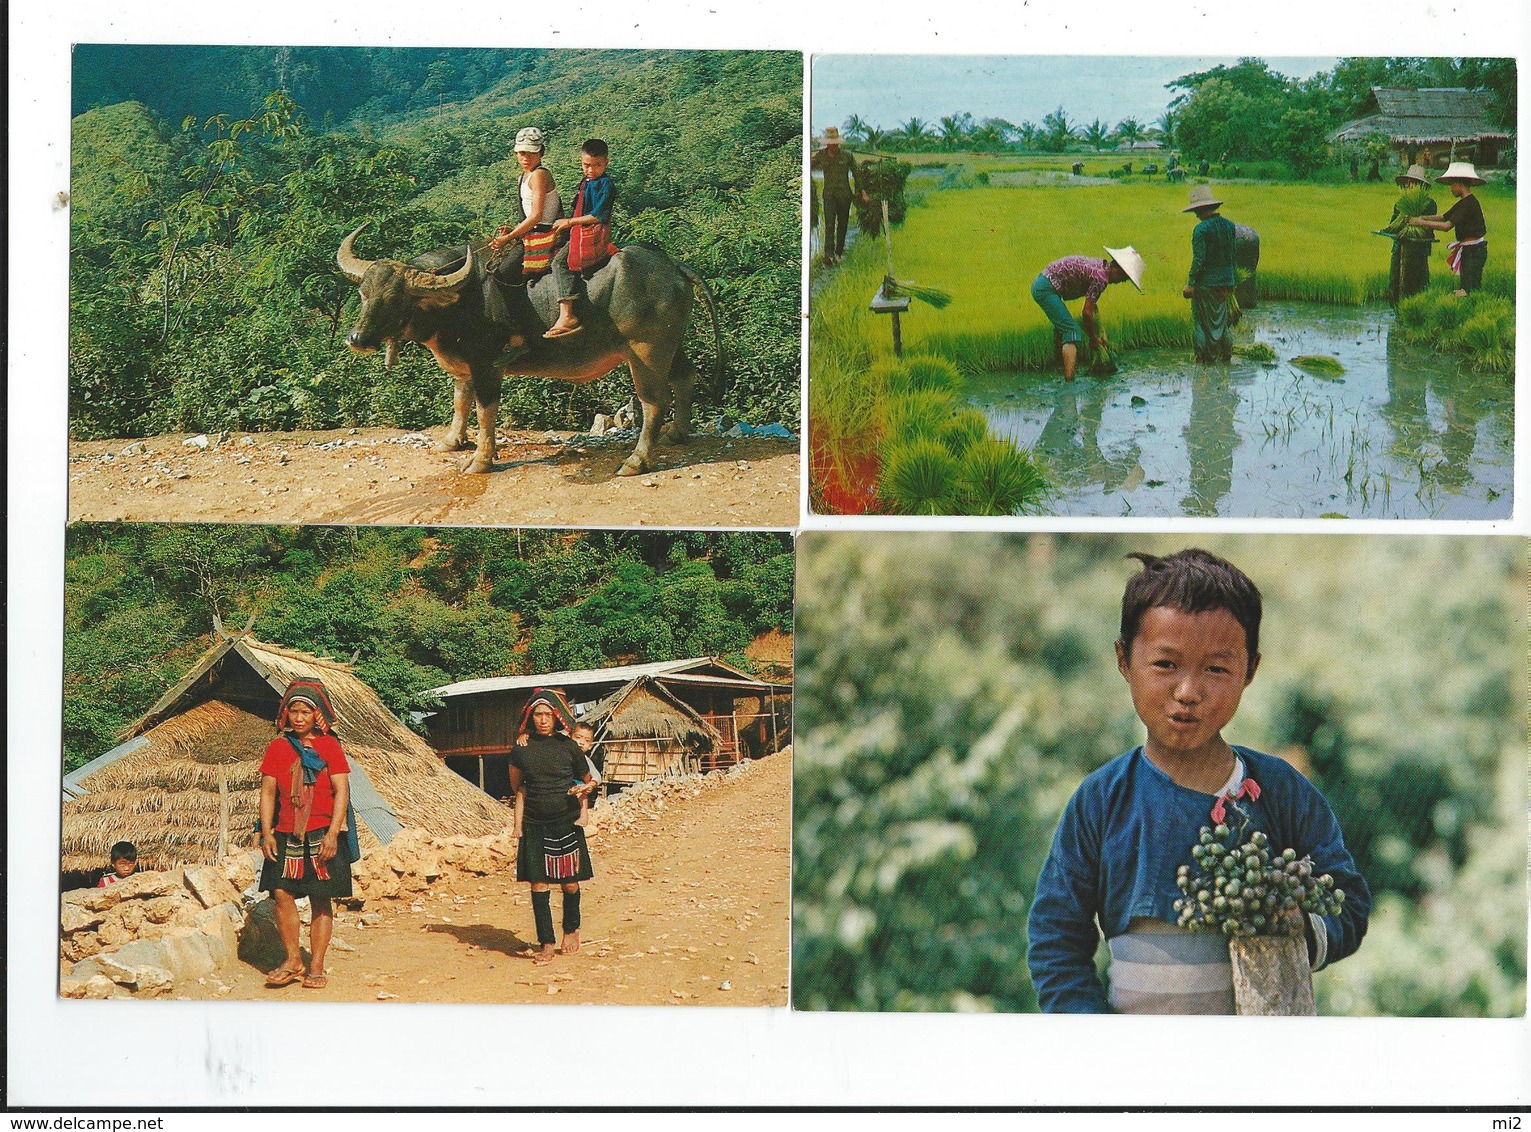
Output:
[[992, 135], [1129, 130], [1096, 134], [1060, 131], [913, 132], [954, 130], [858, 128], [1166, 125], [1028, 134]]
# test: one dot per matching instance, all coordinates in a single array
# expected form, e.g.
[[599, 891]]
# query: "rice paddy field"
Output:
[[1320, 264]]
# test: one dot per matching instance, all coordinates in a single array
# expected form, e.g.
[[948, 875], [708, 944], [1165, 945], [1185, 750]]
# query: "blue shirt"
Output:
[[600, 196], [1127, 829]]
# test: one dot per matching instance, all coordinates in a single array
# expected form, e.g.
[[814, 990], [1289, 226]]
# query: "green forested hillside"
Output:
[[202, 288], [416, 608]]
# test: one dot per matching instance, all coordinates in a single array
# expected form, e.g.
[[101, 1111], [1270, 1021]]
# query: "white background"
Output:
[[163, 1054]]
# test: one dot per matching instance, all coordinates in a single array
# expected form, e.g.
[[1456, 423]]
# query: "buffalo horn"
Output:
[[351, 266], [424, 282]]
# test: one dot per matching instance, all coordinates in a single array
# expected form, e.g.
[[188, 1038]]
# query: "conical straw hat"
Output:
[[1129, 261]]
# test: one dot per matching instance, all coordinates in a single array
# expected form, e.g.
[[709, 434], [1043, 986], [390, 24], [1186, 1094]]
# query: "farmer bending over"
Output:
[[1189, 646], [1077, 276]]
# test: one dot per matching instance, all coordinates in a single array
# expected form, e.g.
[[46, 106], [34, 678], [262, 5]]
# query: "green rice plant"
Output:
[[962, 430], [924, 372], [1255, 351], [918, 415], [1489, 335], [919, 477], [996, 478], [1319, 365]]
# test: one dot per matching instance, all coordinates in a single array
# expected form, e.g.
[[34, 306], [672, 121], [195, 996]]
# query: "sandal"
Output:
[[563, 331], [315, 982], [282, 977]]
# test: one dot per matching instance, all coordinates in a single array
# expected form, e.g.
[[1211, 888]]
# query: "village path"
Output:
[[690, 907], [380, 475]]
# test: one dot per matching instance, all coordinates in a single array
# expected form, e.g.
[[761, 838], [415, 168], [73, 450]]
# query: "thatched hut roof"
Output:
[[643, 709], [188, 770], [1432, 116]]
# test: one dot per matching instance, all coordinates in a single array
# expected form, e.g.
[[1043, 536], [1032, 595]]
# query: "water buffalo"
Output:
[[638, 309]]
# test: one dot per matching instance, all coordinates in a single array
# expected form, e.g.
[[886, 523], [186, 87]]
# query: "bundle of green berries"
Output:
[[1247, 889]]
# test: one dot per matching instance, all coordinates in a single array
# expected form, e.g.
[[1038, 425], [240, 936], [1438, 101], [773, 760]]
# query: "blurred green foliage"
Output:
[[203, 292], [415, 608], [953, 690]]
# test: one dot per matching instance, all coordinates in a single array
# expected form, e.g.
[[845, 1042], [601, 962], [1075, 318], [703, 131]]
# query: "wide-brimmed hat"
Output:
[[830, 136], [1129, 261], [1201, 197], [529, 140], [1462, 171], [1415, 175]]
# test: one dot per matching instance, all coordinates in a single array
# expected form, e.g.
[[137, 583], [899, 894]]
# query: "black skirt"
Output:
[[310, 883], [552, 853]]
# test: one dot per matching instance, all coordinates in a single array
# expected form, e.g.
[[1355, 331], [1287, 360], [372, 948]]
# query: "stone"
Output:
[[93, 899], [152, 982], [241, 869], [114, 933], [160, 910], [222, 923], [71, 988], [210, 886], [99, 986], [146, 885], [74, 918], [259, 941], [189, 957], [131, 915]]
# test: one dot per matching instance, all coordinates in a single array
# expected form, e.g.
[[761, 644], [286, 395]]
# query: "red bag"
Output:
[[589, 244]]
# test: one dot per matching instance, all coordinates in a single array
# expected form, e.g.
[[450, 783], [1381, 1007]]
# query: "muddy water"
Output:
[[1405, 433]]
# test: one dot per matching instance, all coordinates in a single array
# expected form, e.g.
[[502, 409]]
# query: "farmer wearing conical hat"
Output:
[[1078, 276], [1409, 270], [551, 848], [306, 828], [842, 184], [1210, 283], [1468, 253]]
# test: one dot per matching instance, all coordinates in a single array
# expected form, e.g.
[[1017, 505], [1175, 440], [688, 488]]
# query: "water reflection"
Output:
[[1404, 433]]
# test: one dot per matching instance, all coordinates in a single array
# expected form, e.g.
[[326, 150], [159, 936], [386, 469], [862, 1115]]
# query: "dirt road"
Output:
[[689, 907], [376, 475]]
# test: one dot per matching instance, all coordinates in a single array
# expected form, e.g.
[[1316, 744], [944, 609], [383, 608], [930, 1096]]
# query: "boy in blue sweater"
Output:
[[1189, 646], [589, 231]]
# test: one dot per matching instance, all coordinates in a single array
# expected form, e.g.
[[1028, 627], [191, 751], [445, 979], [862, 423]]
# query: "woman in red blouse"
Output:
[[304, 798]]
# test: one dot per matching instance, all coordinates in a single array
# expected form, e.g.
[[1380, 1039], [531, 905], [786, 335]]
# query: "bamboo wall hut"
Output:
[[692, 714], [1430, 127], [184, 782]]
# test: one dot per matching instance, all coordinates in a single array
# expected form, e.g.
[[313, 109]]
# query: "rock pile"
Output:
[[138, 937], [415, 861], [646, 801]]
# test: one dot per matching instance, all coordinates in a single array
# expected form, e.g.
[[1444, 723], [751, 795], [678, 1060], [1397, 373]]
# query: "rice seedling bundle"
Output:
[[919, 477], [927, 372], [962, 430], [997, 479], [910, 416]]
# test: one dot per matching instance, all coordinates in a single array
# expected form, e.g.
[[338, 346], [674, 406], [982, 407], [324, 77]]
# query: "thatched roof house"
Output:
[[184, 783], [655, 719], [1429, 125]]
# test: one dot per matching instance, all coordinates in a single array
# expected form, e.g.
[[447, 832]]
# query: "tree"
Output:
[[954, 130], [1059, 131], [858, 128], [914, 132], [1300, 139], [1129, 130], [1096, 134]]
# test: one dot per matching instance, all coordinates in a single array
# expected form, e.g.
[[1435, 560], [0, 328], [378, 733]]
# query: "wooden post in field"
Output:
[[1271, 975]]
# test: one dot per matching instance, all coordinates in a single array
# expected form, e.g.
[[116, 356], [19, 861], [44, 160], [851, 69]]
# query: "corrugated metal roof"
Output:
[[72, 780], [370, 806], [617, 674]]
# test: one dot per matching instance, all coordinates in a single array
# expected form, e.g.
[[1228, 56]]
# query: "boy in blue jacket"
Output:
[[1189, 646]]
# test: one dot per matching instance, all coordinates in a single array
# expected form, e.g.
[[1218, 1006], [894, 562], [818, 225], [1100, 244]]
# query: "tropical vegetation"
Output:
[[210, 188], [411, 608]]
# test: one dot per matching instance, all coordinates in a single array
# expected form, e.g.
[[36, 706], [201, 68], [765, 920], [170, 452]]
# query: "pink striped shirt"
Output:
[[1078, 276]]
